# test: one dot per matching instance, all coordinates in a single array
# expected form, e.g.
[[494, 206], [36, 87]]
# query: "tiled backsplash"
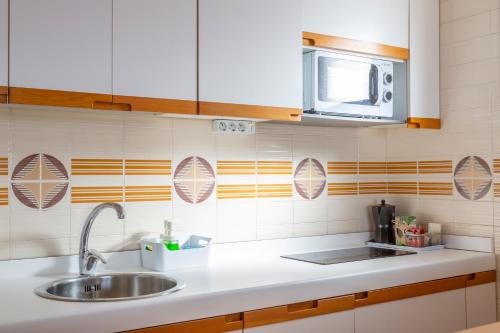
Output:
[[285, 181]]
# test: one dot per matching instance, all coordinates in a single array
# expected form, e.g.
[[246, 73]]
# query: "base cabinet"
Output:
[[340, 322], [481, 304], [438, 306], [443, 312]]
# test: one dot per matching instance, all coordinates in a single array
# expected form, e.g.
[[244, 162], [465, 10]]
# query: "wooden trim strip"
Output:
[[430, 123], [59, 98], [4, 93], [162, 105], [353, 45], [232, 322], [295, 311], [249, 111], [410, 290], [482, 278]]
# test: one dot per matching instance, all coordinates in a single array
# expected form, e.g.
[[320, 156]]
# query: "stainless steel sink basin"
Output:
[[109, 287]]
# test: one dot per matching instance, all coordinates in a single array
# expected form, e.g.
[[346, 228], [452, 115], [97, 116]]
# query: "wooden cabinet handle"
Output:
[[298, 311], [103, 105], [304, 306], [476, 279]]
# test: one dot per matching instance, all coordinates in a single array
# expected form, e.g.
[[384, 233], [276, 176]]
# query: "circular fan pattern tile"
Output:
[[473, 177], [309, 178], [194, 180], [39, 181]]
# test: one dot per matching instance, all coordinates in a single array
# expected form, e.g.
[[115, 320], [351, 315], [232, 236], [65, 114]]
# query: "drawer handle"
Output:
[[361, 296], [102, 105], [303, 306], [233, 318]]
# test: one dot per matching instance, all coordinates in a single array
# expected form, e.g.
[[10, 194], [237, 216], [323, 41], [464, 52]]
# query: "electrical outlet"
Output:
[[233, 126]]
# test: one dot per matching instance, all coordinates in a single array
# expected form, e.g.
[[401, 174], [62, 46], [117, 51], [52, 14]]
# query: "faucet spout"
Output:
[[88, 259]]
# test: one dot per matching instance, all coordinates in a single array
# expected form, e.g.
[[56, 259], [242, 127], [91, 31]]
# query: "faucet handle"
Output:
[[96, 255], [89, 262]]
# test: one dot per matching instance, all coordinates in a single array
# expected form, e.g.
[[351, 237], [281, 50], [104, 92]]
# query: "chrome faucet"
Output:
[[88, 259]]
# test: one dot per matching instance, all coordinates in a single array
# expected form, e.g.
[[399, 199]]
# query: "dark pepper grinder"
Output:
[[383, 215]]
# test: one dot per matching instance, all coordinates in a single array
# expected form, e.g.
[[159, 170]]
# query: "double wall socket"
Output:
[[233, 126]]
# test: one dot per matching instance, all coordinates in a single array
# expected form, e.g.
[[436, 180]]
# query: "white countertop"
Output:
[[240, 277]]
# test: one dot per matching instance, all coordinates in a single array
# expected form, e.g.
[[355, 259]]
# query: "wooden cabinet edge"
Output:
[[297, 311], [249, 111], [353, 45], [283, 313], [161, 105], [58, 98], [423, 288], [218, 324], [429, 123], [408, 291], [4, 92], [477, 279]]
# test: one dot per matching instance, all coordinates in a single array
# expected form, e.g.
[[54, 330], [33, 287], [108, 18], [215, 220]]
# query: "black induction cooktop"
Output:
[[346, 255]]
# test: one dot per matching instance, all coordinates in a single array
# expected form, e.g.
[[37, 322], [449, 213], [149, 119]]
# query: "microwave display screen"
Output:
[[347, 81]]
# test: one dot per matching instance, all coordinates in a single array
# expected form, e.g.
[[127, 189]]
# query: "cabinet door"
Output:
[[436, 313], [4, 49], [376, 21], [154, 55], [340, 322], [60, 45], [250, 58], [424, 64], [481, 304]]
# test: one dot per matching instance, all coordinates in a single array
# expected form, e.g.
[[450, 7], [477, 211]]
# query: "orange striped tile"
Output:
[[96, 167], [96, 194], [435, 188], [439, 167], [342, 189], [496, 165], [148, 167], [398, 168], [243, 191], [4, 196], [274, 167], [236, 167], [274, 190], [496, 189], [342, 168], [4, 166], [148, 193], [372, 168], [372, 187], [402, 188]]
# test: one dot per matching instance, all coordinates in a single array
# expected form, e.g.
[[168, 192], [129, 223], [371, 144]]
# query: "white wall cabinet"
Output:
[[481, 304], [250, 53], [443, 312], [4, 43], [423, 73], [61, 45], [155, 52], [376, 21], [342, 322]]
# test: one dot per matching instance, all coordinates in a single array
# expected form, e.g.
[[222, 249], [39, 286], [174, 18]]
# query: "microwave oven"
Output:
[[345, 85]]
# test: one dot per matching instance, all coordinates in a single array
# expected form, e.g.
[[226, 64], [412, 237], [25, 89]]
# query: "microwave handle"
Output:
[[375, 84]]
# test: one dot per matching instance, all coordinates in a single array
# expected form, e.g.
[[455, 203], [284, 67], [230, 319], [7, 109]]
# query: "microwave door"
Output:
[[348, 87]]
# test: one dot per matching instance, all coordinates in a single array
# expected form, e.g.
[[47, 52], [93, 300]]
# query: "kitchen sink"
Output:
[[109, 287]]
